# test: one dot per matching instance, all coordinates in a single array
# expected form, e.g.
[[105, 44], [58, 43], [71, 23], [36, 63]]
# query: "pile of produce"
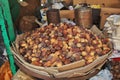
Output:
[[115, 69], [55, 46]]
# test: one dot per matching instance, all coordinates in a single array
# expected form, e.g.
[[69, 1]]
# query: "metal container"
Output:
[[53, 16], [55, 1], [83, 17]]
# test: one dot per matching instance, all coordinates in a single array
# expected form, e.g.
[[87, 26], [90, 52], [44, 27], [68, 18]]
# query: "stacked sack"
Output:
[[112, 28]]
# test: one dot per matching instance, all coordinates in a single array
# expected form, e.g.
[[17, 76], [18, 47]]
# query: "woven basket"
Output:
[[72, 71]]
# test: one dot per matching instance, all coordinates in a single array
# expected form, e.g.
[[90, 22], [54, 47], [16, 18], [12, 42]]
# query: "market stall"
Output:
[[62, 39]]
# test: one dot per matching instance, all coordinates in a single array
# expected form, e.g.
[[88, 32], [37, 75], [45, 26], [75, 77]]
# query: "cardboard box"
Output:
[[105, 12], [78, 1], [107, 3], [67, 14]]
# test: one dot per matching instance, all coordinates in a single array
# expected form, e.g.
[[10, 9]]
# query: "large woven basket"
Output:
[[72, 71]]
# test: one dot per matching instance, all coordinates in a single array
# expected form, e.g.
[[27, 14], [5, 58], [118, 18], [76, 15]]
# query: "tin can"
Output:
[[53, 16], [83, 17]]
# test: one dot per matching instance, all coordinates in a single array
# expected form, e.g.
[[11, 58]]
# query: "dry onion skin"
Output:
[[54, 46]]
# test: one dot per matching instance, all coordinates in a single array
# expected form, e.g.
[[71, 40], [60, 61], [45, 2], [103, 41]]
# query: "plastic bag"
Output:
[[103, 75]]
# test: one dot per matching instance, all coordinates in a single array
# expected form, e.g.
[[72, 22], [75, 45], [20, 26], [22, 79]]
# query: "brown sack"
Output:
[[27, 23]]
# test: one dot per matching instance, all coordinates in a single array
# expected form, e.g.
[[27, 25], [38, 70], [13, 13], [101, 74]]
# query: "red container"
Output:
[[115, 68], [116, 59]]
